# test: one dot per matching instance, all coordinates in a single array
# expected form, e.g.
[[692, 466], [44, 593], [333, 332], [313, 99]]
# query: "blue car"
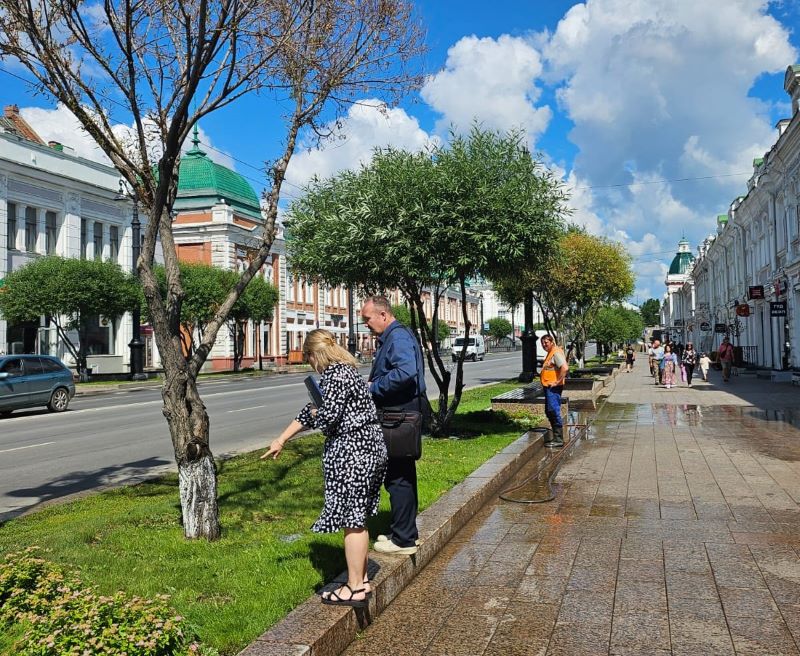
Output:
[[27, 381]]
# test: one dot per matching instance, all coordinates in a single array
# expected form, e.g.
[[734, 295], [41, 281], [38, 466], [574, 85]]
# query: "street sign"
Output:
[[720, 328], [705, 326], [755, 292], [777, 309]]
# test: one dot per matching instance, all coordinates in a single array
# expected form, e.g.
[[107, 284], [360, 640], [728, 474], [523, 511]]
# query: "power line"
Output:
[[664, 181]]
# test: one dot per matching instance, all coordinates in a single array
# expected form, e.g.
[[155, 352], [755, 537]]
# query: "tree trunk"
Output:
[[197, 482]]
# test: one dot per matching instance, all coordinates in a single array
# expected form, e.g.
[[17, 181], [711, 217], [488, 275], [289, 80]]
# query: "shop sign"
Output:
[[678, 322], [756, 292], [777, 309], [705, 326], [720, 328], [743, 310]]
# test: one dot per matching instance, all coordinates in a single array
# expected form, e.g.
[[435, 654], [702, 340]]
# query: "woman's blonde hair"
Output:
[[322, 345]]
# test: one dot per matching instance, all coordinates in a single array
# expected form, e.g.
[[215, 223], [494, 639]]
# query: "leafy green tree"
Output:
[[582, 274], [476, 207], [499, 328], [615, 324], [206, 288], [166, 65], [71, 293], [403, 315], [256, 304], [650, 311]]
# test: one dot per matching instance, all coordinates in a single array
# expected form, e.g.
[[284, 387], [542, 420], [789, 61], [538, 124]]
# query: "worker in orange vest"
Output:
[[554, 373]]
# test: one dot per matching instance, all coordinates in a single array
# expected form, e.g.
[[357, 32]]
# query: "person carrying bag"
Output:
[[397, 384]]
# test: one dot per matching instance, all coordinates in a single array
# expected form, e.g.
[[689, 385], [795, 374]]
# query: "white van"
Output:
[[476, 348]]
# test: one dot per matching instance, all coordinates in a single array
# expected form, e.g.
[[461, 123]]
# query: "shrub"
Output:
[[63, 618]]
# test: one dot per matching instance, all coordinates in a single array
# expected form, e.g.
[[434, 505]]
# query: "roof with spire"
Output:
[[203, 183], [683, 259]]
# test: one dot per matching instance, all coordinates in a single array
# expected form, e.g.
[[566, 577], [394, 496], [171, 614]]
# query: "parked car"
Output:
[[27, 381], [476, 348]]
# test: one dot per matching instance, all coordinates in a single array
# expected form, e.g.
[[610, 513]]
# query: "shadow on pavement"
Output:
[[81, 481]]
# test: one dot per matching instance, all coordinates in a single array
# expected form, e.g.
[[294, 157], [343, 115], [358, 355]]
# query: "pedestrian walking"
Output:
[[630, 358], [669, 365], [725, 358], [705, 363], [397, 383], [655, 356], [689, 362], [353, 458], [554, 373]]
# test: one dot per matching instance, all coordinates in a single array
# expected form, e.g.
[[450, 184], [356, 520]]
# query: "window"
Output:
[[113, 242], [11, 238], [33, 367], [51, 233], [98, 240], [51, 366], [12, 367], [30, 229], [84, 239], [99, 336], [290, 286]]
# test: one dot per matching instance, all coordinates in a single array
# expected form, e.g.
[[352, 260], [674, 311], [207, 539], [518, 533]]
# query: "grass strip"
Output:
[[267, 561]]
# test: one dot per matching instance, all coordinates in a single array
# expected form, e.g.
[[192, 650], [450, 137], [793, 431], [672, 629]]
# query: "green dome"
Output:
[[683, 259], [202, 183]]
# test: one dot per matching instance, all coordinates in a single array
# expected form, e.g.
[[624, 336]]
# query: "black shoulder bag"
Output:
[[402, 429]]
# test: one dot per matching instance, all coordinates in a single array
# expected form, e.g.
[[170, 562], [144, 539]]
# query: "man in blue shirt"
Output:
[[397, 382]]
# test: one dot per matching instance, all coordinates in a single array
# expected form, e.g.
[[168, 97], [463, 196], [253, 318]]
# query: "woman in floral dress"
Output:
[[668, 367], [353, 460]]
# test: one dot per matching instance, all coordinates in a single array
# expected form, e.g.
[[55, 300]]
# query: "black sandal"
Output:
[[334, 599]]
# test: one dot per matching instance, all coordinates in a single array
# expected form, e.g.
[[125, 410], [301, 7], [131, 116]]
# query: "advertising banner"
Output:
[[756, 292]]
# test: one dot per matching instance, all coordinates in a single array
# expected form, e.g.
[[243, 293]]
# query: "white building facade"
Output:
[[54, 203], [746, 278]]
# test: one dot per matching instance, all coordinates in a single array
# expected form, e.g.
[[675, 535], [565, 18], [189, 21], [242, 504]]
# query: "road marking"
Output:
[[30, 446], [255, 407]]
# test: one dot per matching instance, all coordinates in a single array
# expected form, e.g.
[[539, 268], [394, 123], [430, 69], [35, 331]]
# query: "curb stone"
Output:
[[314, 629]]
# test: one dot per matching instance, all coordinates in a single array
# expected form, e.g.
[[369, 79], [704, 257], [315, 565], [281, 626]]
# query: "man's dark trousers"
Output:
[[401, 484], [552, 405]]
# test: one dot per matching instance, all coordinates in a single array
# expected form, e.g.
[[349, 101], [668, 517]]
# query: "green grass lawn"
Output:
[[267, 561]]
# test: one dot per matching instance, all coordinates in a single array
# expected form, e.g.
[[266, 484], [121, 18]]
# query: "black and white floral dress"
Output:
[[354, 457]]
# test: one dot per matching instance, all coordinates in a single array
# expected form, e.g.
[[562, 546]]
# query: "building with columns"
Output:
[[677, 309], [55, 203], [747, 275]]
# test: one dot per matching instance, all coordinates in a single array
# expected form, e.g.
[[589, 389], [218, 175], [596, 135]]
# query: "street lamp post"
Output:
[[528, 343], [136, 344], [351, 328]]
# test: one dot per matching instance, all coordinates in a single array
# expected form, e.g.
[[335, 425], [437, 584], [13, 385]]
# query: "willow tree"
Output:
[[425, 222], [164, 64]]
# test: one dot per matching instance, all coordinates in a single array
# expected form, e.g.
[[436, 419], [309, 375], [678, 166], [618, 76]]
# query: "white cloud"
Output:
[[367, 125], [491, 81], [60, 125], [658, 90]]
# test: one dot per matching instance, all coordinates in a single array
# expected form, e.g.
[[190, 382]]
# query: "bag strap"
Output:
[[418, 388]]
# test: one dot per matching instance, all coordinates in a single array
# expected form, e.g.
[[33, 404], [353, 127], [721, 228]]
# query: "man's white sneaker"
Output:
[[385, 537], [389, 547]]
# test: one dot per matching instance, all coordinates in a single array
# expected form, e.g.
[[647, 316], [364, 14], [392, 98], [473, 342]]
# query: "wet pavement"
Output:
[[675, 529]]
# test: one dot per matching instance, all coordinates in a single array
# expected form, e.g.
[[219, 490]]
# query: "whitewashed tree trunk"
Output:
[[197, 483]]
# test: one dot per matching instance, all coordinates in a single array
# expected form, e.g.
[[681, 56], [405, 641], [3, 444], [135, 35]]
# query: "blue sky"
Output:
[[618, 96]]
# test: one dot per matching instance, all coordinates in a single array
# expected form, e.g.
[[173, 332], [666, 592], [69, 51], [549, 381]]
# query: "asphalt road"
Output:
[[123, 437]]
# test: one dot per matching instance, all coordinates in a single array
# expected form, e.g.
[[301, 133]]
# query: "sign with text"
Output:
[[777, 309], [720, 328], [705, 326], [756, 292]]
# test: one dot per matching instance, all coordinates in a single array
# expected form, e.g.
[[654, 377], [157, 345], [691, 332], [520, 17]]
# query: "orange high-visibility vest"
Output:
[[549, 374]]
